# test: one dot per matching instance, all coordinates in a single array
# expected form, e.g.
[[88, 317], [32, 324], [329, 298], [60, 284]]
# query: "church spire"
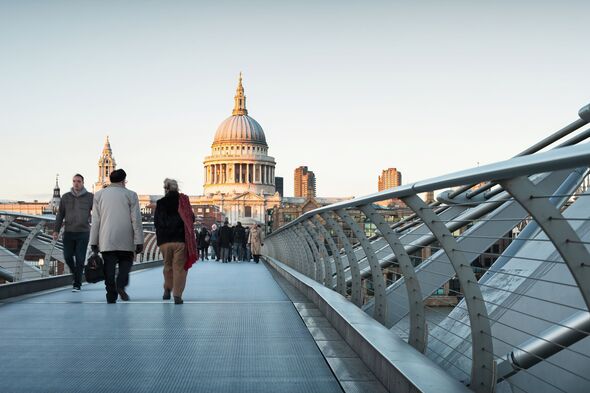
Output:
[[56, 191], [106, 150], [240, 100]]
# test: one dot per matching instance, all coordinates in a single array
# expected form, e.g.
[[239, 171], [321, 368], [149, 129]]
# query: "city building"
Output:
[[106, 164], [279, 185], [239, 175], [389, 178], [53, 205], [35, 208], [304, 183]]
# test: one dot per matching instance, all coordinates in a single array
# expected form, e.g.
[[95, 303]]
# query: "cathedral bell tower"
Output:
[[106, 164]]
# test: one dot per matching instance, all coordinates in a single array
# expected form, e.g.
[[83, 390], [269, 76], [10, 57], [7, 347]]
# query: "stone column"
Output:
[[247, 173]]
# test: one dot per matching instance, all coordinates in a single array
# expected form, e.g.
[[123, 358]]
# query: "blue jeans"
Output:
[[75, 245]]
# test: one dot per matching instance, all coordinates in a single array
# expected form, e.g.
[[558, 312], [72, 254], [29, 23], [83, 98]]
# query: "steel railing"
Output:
[[26, 235], [508, 247]]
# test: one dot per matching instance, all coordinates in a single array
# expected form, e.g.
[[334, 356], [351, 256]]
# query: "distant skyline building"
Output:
[[389, 178], [305, 183], [279, 185], [56, 199], [106, 164]]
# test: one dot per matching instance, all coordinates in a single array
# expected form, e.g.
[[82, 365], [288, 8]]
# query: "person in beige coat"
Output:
[[116, 232], [255, 242]]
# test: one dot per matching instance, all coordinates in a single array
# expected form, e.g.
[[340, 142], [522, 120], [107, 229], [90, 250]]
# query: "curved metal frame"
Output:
[[557, 229], [418, 331], [340, 277], [299, 246], [25, 247], [483, 378], [315, 255], [356, 295], [328, 271], [7, 221], [379, 286]]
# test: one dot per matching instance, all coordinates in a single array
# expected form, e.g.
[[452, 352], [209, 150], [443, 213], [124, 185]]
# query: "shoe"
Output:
[[76, 289], [166, 295], [178, 300], [111, 302], [123, 295]]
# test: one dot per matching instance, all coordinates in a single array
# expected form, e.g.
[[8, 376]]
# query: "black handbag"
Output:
[[94, 269]]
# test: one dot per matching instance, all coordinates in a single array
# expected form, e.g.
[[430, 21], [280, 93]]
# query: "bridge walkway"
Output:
[[236, 332]]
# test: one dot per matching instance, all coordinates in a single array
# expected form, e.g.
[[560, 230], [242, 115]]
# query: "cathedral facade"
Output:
[[239, 175]]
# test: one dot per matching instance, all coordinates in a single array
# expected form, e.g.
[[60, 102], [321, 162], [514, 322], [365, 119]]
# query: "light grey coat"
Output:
[[116, 219]]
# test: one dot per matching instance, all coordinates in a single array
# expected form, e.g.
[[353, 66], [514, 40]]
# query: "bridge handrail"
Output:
[[309, 245]]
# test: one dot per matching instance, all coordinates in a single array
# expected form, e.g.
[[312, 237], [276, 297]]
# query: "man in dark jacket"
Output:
[[225, 241], [74, 209], [239, 241]]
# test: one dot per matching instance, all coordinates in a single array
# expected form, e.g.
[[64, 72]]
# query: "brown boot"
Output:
[[178, 300], [166, 295]]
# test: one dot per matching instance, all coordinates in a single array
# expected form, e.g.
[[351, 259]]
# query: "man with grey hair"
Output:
[[74, 209], [116, 232], [173, 220]]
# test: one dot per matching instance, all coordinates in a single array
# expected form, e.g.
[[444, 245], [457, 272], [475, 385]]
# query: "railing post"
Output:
[[558, 230], [379, 286], [356, 295], [315, 256], [23, 251], [7, 221], [418, 331], [328, 273], [483, 378], [340, 277]]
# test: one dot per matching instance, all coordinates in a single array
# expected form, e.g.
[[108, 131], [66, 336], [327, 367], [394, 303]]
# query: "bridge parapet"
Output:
[[509, 241], [28, 250]]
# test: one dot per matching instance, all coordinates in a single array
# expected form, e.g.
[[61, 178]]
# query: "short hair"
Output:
[[170, 185], [79, 175]]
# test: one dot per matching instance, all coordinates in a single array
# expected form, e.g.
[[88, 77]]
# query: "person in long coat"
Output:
[[255, 242], [171, 236], [203, 242]]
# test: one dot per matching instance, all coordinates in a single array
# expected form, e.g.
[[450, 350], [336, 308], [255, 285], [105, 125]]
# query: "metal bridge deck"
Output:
[[236, 332]]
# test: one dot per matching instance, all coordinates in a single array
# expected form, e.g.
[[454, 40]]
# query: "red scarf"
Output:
[[188, 217]]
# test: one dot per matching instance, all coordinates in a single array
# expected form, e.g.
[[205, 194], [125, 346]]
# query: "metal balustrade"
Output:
[[23, 235], [518, 324]]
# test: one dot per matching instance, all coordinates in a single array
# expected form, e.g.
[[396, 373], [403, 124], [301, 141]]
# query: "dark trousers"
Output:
[[111, 259], [75, 245], [204, 250]]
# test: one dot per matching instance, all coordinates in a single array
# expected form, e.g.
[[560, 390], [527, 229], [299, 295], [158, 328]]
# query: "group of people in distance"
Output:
[[235, 243], [117, 234]]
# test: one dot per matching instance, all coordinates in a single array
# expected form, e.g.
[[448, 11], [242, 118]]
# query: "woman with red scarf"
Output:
[[175, 235]]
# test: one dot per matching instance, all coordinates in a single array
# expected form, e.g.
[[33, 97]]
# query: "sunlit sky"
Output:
[[347, 88]]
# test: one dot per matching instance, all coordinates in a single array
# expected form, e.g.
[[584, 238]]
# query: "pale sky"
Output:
[[347, 88]]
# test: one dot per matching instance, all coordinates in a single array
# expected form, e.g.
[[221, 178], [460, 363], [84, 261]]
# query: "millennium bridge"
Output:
[[335, 307]]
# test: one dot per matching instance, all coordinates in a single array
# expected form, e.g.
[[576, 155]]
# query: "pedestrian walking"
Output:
[[116, 233], [239, 241], [204, 237], [215, 242], [74, 209], [172, 238], [225, 241], [255, 241]]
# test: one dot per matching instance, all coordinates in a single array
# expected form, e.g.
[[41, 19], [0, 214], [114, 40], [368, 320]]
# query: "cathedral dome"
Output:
[[240, 128]]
